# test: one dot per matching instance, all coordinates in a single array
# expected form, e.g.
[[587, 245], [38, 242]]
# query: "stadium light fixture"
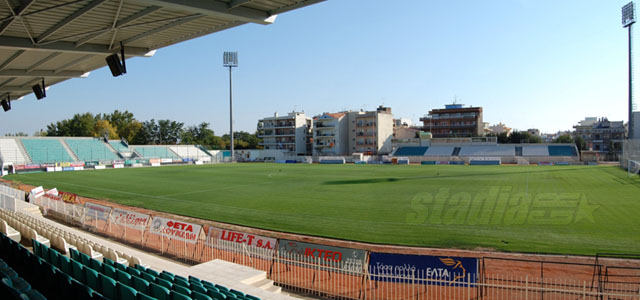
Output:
[[116, 66], [628, 18], [230, 60], [39, 91]]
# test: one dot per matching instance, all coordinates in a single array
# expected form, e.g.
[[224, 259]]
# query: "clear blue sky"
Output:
[[529, 63]]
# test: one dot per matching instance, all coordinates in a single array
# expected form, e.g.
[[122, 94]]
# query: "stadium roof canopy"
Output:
[[62, 39]]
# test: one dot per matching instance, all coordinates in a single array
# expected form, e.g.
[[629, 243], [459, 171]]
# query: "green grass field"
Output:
[[559, 209]]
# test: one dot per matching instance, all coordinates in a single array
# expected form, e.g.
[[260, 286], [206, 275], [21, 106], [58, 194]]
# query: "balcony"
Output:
[[324, 136], [324, 125]]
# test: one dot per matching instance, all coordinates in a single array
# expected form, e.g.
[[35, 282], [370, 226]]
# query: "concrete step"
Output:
[[274, 289], [263, 284]]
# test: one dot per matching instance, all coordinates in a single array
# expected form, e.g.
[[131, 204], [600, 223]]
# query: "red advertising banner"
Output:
[[129, 218]]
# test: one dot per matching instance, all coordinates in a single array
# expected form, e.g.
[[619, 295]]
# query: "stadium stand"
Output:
[[119, 146], [90, 149], [81, 276], [497, 150], [10, 152], [535, 150], [154, 151], [46, 150], [440, 151], [562, 151], [410, 151], [188, 151]]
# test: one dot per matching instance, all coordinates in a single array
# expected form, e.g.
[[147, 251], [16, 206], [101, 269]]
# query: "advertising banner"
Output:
[[129, 218], [68, 197], [37, 192], [344, 259], [97, 211], [437, 269], [216, 234], [175, 229]]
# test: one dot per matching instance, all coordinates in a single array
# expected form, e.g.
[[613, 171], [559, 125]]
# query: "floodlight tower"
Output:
[[230, 60], [628, 18]]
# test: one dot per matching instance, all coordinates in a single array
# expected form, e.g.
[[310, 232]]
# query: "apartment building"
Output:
[[291, 133], [601, 134], [331, 134], [454, 121], [371, 132]]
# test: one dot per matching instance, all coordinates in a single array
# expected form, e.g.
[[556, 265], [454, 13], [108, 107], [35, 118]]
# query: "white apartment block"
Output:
[[290, 133], [371, 132], [331, 134]]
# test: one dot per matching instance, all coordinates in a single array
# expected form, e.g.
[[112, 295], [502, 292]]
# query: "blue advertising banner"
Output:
[[416, 268]]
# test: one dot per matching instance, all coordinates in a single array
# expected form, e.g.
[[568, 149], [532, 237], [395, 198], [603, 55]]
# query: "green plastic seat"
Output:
[[123, 277], [81, 291], [140, 268], [148, 277], [140, 284], [133, 271], [199, 296], [198, 288], [108, 270], [96, 265], [216, 295], [181, 282], [108, 262], [54, 257], [126, 292], [77, 270], [75, 254], [142, 296], [85, 259], [221, 288], [159, 292], [207, 284], [153, 272], [108, 287], [166, 276], [121, 267], [182, 290], [179, 296], [237, 293], [33, 294], [250, 297], [180, 277], [165, 283], [91, 278], [193, 278], [65, 264]]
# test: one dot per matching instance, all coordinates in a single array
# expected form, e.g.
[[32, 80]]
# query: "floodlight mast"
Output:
[[230, 60], [628, 18]]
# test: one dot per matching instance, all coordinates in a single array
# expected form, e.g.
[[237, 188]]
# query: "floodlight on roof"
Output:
[[628, 14], [39, 91], [6, 104]]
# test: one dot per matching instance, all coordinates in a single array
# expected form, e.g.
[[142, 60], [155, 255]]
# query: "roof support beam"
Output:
[[65, 47], [295, 6], [141, 14], [73, 63], [11, 59], [215, 8], [42, 61], [16, 14], [15, 88], [236, 3], [79, 13], [41, 73], [162, 28]]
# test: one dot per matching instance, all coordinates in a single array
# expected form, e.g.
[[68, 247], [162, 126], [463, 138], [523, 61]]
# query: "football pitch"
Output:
[[544, 209]]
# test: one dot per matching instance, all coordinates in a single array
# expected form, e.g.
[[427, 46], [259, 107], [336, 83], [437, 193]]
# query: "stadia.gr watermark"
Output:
[[499, 206]]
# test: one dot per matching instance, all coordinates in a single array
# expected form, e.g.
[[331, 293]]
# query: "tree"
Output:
[[104, 128], [169, 132], [564, 139], [580, 143], [16, 134], [147, 133], [79, 125], [121, 121], [198, 135], [129, 131]]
